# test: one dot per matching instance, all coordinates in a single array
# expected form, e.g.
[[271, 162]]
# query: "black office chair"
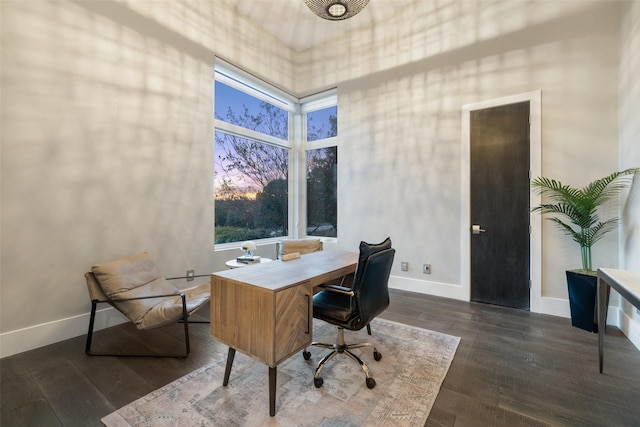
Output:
[[353, 308]]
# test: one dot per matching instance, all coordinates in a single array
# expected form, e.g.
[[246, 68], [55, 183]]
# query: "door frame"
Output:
[[535, 168]]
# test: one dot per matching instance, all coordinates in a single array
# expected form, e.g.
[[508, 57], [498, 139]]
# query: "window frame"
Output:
[[241, 80], [296, 144], [318, 101], [309, 104]]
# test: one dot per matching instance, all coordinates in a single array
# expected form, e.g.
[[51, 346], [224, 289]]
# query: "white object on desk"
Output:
[[233, 263]]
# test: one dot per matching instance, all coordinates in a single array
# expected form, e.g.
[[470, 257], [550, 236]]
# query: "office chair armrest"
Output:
[[338, 289]]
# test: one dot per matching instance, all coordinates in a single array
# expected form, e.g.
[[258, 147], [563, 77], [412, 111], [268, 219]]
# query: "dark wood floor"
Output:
[[512, 368]]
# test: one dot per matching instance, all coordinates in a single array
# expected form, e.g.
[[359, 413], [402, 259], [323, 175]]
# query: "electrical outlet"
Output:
[[404, 266], [426, 268], [190, 275]]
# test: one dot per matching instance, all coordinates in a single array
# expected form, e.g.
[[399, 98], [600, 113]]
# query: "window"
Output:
[[322, 182], [241, 109], [251, 190], [267, 146], [251, 184], [321, 123]]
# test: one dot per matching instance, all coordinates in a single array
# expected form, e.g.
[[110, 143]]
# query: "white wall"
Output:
[[629, 117], [107, 143], [107, 147], [402, 84]]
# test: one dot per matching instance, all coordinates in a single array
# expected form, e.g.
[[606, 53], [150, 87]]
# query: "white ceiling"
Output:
[[295, 25]]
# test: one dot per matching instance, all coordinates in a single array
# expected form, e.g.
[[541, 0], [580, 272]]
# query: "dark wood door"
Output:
[[500, 205]]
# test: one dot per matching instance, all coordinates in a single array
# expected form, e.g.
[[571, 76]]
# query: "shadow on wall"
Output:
[[631, 226], [102, 149]]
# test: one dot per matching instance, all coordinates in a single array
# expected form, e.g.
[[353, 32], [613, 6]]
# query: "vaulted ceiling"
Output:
[[295, 25]]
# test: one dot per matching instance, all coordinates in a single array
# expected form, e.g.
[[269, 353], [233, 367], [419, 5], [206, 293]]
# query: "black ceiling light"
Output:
[[336, 10]]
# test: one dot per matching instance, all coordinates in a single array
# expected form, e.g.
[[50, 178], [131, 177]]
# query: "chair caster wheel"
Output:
[[371, 383], [377, 356], [319, 381], [306, 355]]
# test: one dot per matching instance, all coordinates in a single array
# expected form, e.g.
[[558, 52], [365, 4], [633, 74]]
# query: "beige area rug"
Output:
[[414, 363]]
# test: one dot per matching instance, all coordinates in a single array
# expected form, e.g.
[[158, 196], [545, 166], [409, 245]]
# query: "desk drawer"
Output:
[[268, 325], [293, 320]]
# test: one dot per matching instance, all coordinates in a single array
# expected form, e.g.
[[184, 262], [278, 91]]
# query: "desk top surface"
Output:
[[280, 274], [626, 280]]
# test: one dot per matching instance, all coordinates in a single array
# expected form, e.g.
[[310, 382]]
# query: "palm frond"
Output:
[[568, 230], [554, 190], [604, 189], [575, 210], [603, 228]]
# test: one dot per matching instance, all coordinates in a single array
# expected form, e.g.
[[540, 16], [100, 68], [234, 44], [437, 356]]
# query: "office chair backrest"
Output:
[[371, 285], [368, 249]]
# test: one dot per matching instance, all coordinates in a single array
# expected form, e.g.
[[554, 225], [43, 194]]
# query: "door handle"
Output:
[[475, 229]]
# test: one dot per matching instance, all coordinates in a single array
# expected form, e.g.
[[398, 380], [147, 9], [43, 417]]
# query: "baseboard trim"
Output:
[[627, 325], [36, 336], [428, 287], [544, 305], [553, 306]]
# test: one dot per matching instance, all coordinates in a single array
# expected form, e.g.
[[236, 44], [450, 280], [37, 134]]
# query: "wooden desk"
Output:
[[627, 284], [266, 311]]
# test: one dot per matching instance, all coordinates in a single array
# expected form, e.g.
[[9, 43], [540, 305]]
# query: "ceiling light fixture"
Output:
[[336, 10]]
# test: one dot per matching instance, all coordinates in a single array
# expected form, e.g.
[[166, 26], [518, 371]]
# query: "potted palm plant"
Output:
[[575, 212]]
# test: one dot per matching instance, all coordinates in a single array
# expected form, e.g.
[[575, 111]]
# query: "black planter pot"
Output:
[[583, 300]]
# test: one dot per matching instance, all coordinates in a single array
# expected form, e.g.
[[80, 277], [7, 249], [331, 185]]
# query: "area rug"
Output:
[[413, 366]]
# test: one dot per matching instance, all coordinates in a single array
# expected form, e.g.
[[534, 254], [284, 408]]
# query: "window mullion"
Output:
[[297, 186], [322, 143], [250, 134]]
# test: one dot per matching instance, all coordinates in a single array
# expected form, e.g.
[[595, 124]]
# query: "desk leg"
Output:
[[227, 371], [603, 287], [272, 390]]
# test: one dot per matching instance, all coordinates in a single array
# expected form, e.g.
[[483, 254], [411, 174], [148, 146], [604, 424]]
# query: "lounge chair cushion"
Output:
[[137, 276]]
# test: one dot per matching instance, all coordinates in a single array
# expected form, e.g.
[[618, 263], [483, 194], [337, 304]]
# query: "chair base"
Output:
[[89, 352], [341, 347]]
